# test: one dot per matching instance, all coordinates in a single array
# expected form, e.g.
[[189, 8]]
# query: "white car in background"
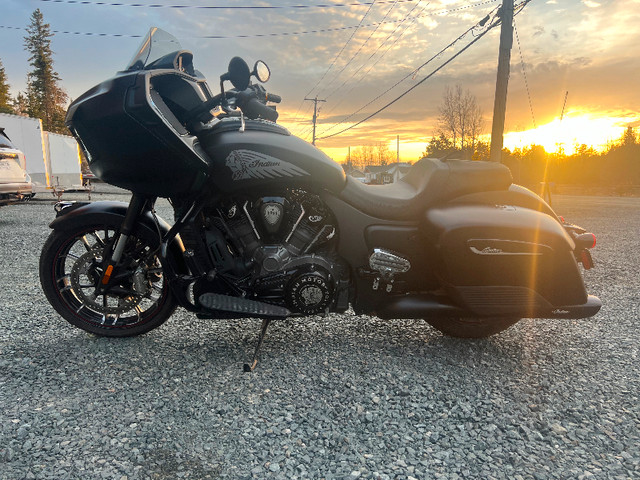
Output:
[[15, 182]]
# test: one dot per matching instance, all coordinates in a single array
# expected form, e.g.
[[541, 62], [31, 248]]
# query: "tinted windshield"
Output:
[[156, 44]]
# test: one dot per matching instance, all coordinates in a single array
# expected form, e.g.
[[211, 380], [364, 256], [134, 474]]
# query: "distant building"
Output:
[[354, 172], [382, 174]]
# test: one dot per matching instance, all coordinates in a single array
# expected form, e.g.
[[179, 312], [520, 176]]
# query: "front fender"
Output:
[[72, 215]]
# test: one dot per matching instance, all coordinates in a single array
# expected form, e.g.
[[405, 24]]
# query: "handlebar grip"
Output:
[[272, 97], [256, 109]]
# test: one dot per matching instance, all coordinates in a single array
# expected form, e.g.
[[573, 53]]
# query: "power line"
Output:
[[209, 37], [355, 27], [524, 74], [88, 34], [376, 51], [335, 59], [387, 51], [492, 25], [256, 35], [497, 22], [359, 49], [333, 62], [410, 74], [223, 7]]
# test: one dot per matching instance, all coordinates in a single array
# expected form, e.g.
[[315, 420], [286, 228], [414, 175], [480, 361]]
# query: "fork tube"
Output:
[[136, 207]]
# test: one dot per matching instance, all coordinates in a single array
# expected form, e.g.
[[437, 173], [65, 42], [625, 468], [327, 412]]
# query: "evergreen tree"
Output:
[[629, 137], [5, 98], [45, 99], [20, 105]]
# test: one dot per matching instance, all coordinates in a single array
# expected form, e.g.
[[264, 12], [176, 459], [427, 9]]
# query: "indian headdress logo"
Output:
[[247, 164]]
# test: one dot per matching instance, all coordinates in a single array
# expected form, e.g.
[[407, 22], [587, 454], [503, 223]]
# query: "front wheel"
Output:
[[469, 327], [138, 297]]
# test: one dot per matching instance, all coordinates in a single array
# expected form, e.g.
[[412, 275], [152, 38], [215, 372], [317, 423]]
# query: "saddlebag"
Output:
[[502, 260]]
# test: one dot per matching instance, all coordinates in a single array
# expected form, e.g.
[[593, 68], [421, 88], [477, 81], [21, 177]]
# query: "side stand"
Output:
[[263, 331]]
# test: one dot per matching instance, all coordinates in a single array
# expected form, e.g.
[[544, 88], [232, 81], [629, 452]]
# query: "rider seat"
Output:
[[427, 182]]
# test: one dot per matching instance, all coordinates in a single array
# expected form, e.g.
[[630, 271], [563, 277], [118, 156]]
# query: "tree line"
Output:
[[618, 166], [43, 98], [458, 136], [367, 155]]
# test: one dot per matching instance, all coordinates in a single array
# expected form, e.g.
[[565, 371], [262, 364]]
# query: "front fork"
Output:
[[137, 206]]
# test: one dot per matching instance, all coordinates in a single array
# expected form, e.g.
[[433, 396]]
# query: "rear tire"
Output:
[[71, 266], [469, 327]]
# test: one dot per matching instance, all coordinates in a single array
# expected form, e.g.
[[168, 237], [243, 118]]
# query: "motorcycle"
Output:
[[267, 226]]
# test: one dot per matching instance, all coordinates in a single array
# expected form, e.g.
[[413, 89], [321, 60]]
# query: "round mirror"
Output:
[[239, 73], [261, 71]]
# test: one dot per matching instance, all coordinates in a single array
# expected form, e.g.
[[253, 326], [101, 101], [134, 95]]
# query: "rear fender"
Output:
[[516, 195], [73, 215]]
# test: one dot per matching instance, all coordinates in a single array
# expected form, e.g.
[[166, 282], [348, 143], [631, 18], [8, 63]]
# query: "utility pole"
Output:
[[397, 148], [502, 81], [315, 115]]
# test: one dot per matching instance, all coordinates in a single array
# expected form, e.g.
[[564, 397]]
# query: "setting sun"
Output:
[[573, 130]]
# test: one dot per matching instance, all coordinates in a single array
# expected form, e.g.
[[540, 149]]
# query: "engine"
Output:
[[279, 249]]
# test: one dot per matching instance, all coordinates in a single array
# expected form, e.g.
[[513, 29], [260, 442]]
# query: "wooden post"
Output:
[[502, 80], [315, 115]]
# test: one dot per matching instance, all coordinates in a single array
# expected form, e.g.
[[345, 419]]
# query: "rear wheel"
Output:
[[469, 327], [138, 297]]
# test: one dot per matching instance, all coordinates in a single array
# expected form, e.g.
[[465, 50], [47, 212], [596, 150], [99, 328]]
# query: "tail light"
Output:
[[585, 240]]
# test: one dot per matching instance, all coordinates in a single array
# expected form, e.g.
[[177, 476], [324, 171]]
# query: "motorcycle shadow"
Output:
[[309, 343]]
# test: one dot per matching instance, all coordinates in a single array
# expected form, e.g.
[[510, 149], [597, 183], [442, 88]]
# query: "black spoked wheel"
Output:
[[136, 300], [469, 327]]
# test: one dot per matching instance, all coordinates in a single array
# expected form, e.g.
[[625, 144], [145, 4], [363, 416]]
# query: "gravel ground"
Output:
[[334, 398]]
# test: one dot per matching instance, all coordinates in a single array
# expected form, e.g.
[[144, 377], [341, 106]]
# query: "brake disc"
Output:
[[84, 278]]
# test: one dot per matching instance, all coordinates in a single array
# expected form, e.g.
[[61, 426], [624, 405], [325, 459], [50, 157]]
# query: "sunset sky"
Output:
[[588, 48]]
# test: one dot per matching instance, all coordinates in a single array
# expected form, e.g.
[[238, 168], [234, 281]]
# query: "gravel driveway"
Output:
[[341, 397]]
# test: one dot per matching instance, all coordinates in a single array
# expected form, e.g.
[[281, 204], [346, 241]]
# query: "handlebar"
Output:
[[199, 112], [272, 97], [251, 101]]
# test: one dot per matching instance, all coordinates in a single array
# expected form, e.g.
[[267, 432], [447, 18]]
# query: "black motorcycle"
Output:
[[267, 226]]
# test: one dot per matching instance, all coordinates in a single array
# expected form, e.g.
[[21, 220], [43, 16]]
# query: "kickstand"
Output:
[[263, 331]]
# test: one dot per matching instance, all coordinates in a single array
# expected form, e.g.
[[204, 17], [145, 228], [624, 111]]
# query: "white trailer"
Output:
[[52, 160], [27, 134], [63, 162]]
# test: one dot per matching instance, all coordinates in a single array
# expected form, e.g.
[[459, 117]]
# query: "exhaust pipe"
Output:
[[420, 306]]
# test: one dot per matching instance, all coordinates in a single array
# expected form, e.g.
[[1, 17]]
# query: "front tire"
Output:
[[138, 298], [469, 327]]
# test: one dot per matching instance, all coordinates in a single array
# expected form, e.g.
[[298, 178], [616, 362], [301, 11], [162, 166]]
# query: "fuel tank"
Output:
[[266, 155]]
